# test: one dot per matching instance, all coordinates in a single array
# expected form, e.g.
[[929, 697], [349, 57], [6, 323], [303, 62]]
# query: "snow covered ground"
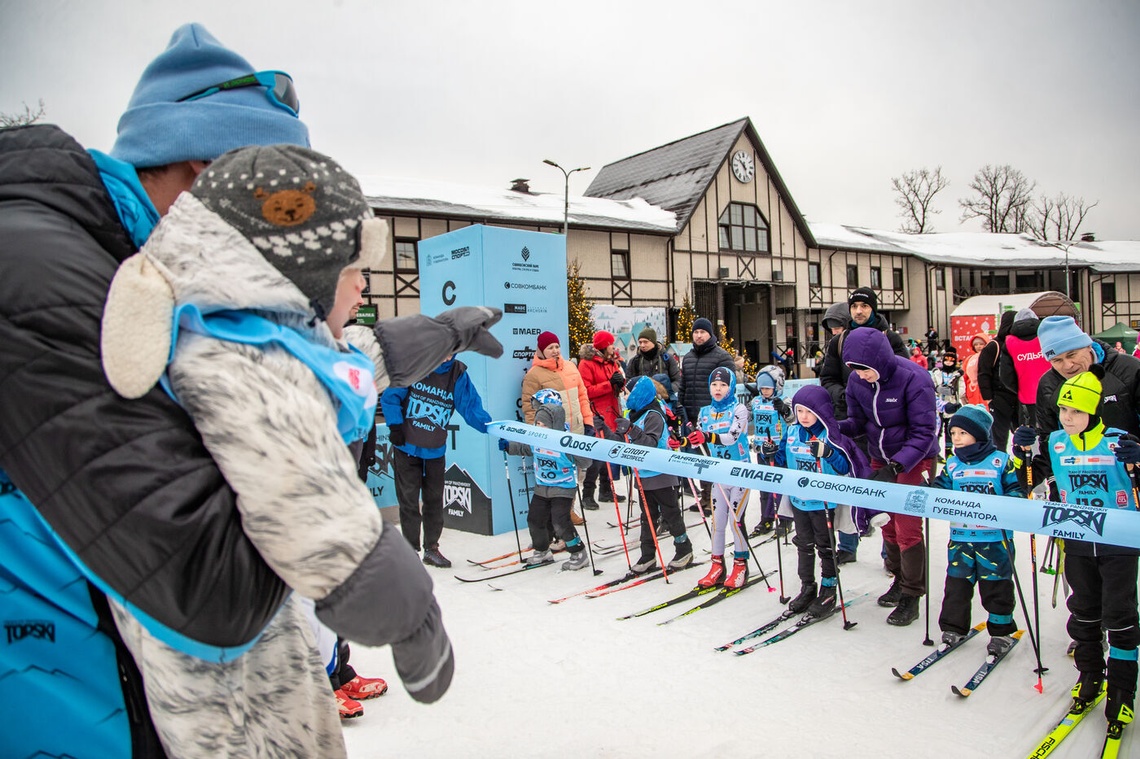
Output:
[[569, 680]]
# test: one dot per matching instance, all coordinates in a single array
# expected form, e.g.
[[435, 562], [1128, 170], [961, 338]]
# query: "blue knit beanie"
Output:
[[1060, 334], [974, 420], [156, 130]]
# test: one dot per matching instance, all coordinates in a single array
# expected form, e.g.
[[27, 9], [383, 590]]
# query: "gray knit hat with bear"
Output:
[[297, 206]]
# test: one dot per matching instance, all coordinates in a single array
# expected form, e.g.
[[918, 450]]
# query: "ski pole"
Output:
[[1041, 669], [647, 521], [1033, 564], [926, 576], [740, 528], [617, 510], [776, 527], [511, 495], [827, 511], [586, 529]]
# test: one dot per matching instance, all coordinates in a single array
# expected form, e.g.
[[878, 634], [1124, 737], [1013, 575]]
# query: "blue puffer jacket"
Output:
[[897, 412]]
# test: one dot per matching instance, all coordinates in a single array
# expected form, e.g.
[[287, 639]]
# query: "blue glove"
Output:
[[504, 444], [1024, 436], [588, 430], [1128, 450]]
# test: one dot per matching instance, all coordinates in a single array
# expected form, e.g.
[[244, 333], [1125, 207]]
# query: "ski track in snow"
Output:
[[569, 680]]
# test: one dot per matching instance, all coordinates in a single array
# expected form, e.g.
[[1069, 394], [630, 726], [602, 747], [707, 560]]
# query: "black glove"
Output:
[[820, 449], [396, 434], [889, 473], [781, 408], [753, 391], [621, 426], [504, 444], [588, 430], [1128, 450], [951, 408], [1024, 436], [617, 382], [768, 450]]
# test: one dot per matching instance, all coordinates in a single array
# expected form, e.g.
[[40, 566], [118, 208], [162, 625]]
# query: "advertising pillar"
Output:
[[524, 274]]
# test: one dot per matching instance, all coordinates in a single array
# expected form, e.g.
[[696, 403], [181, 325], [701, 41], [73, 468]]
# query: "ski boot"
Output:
[[999, 645], [951, 638], [824, 603], [347, 707], [588, 501], [715, 576], [578, 559], [739, 574], [538, 557], [683, 554], [362, 688], [762, 529], [646, 563], [801, 602]]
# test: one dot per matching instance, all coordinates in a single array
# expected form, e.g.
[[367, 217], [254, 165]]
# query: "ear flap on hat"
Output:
[[137, 321]]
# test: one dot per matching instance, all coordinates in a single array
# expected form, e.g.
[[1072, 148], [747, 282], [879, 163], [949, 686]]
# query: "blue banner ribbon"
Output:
[[1120, 527]]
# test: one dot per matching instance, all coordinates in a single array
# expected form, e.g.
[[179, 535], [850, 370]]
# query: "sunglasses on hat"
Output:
[[278, 89]]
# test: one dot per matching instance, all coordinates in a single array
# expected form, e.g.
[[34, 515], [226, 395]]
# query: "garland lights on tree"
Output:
[[685, 318], [726, 343], [581, 323]]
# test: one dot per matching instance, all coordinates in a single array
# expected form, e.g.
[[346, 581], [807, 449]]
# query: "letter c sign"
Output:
[[448, 298]]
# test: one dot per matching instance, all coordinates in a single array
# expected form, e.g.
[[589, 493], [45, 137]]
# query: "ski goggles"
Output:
[[278, 89]]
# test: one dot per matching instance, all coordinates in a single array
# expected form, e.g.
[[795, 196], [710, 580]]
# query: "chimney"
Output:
[[1088, 237], [520, 185]]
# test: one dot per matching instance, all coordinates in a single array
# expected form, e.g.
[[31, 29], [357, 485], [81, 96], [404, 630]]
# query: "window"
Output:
[[742, 228], [406, 259], [898, 277], [1107, 292], [995, 283], [1029, 280], [876, 278], [813, 273], [619, 264], [852, 276], [940, 278]]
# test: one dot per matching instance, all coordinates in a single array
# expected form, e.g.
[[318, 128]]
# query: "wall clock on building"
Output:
[[742, 166]]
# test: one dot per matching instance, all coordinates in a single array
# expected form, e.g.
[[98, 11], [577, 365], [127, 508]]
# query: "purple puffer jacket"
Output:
[[897, 412]]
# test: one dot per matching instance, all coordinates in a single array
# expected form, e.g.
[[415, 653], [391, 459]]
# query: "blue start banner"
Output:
[[1119, 527]]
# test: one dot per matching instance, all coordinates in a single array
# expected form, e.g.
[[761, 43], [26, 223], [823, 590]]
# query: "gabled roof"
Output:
[[676, 176]]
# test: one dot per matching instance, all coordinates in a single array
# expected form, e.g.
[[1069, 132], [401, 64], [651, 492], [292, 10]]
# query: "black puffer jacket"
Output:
[[696, 367], [1003, 400], [126, 484], [1026, 329]]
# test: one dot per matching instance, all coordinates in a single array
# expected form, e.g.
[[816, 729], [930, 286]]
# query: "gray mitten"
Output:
[[413, 347], [424, 660]]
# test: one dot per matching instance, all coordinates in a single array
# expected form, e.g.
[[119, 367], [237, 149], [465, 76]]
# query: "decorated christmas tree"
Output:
[[580, 306], [685, 317], [726, 343]]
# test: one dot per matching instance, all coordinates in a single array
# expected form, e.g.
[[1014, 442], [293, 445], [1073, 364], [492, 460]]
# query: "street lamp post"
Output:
[[566, 196]]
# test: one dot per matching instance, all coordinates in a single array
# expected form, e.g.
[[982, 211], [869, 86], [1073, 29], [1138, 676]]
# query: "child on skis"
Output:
[[770, 416], [646, 425], [556, 483], [1087, 464], [947, 387], [723, 425], [815, 444], [980, 555]]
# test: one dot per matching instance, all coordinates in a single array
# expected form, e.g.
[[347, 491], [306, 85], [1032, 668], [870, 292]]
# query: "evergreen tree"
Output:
[[581, 323], [685, 318], [726, 343]]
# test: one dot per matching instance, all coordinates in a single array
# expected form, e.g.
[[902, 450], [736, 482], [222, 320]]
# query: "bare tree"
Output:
[[1003, 199], [914, 193], [20, 119], [1058, 218]]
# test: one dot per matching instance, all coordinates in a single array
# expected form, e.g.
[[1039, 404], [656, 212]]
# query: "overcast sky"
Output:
[[845, 95]]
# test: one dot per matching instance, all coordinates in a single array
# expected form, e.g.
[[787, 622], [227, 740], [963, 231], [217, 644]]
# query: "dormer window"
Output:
[[743, 229]]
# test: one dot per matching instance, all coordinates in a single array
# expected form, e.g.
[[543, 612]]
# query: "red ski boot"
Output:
[[715, 576], [739, 574]]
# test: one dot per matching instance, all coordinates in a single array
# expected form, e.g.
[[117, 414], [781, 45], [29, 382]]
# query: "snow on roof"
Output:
[[982, 249], [444, 198]]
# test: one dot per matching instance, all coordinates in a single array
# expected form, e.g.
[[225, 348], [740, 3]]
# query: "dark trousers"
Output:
[[545, 511], [416, 476], [661, 504], [598, 477], [1003, 421], [344, 671], [812, 538], [990, 566], [1104, 596]]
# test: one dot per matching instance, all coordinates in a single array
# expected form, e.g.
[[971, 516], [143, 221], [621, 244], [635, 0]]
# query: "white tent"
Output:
[[982, 313]]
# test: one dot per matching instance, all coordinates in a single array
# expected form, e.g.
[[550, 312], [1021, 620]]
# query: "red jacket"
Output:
[[596, 373]]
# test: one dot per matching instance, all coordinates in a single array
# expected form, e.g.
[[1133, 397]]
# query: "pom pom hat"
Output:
[[157, 130]]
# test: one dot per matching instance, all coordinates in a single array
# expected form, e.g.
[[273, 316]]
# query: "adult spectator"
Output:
[[127, 486], [549, 370], [892, 401], [931, 339], [604, 380], [705, 355], [1002, 400], [1070, 351], [1021, 365], [863, 310], [652, 360]]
